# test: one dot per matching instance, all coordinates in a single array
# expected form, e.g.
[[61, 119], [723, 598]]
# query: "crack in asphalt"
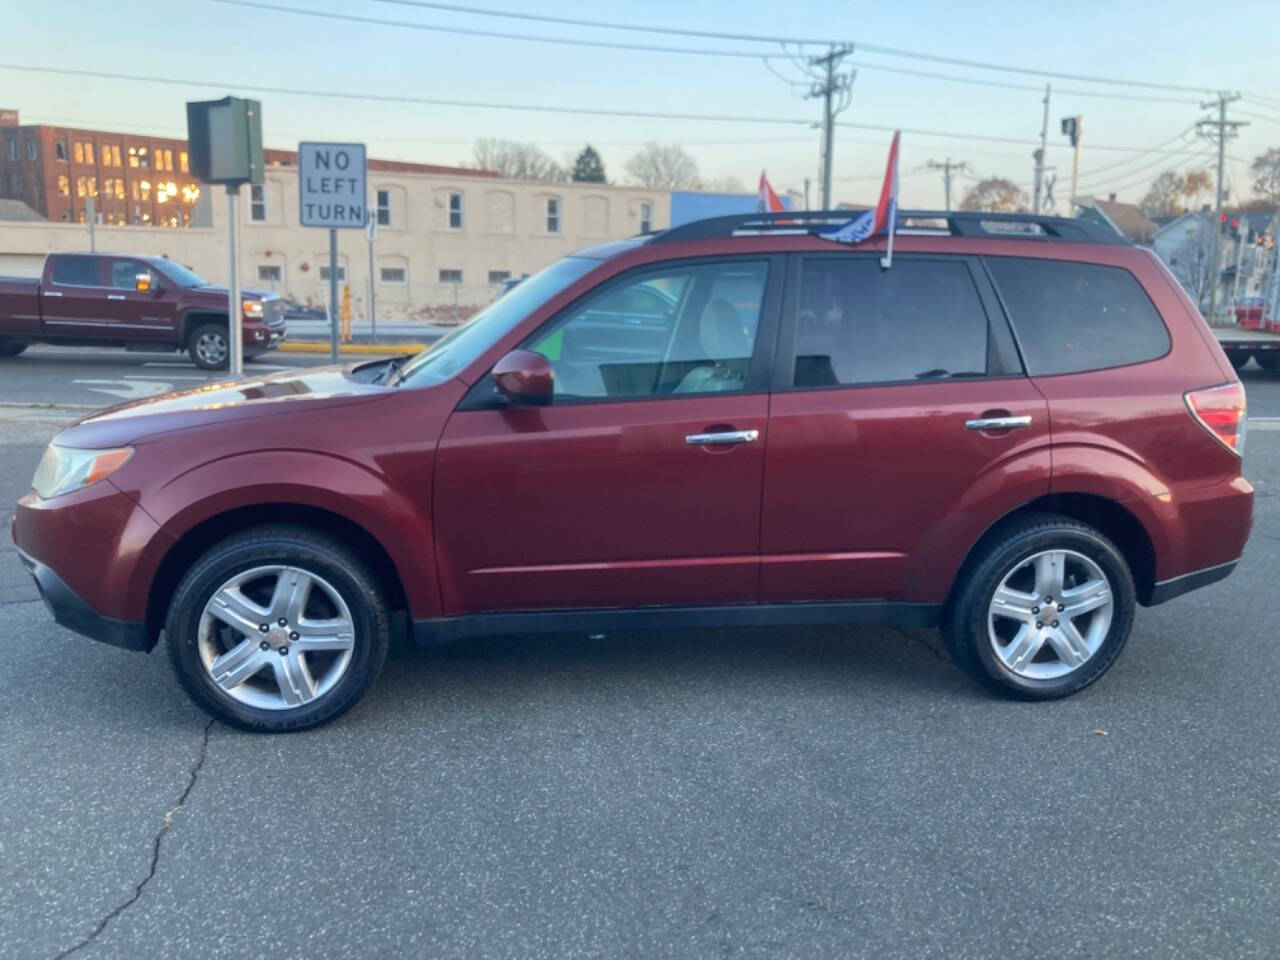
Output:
[[919, 642], [155, 850]]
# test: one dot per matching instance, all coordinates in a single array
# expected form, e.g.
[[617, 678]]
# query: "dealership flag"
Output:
[[766, 200], [883, 219]]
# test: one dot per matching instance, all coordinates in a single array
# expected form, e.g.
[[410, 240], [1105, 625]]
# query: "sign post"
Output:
[[371, 231], [331, 194], [225, 143]]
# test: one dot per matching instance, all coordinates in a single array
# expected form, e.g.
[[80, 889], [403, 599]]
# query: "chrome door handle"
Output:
[[997, 423], [729, 436], [115, 296], [52, 293]]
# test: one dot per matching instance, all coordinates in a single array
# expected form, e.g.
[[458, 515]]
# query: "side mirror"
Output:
[[525, 377], [142, 282]]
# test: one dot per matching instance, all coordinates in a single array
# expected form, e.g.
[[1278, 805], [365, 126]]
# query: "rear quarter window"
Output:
[[1073, 317]]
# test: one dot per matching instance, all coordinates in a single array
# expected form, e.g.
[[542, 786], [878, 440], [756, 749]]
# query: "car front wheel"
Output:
[[1042, 610], [278, 628], [209, 347]]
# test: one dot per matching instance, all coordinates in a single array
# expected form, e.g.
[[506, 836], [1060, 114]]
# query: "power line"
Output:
[[799, 41]]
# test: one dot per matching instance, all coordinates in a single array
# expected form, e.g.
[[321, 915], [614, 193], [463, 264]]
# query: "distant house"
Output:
[[1124, 218]]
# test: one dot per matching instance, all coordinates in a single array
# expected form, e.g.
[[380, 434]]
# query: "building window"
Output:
[[84, 152], [165, 159], [553, 214], [182, 161], [342, 273], [15, 183], [142, 190], [31, 150], [11, 148], [64, 185], [138, 158], [394, 275], [118, 188], [646, 218], [111, 154], [60, 150], [270, 273], [499, 276], [455, 211], [258, 202], [384, 214], [450, 276], [82, 186]]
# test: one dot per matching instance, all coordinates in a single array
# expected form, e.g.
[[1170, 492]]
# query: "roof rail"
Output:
[[958, 223]]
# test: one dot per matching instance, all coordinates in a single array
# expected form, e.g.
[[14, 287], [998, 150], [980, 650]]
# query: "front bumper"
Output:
[[258, 337], [72, 612]]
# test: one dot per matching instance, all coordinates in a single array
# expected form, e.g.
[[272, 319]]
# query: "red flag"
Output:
[[766, 200]]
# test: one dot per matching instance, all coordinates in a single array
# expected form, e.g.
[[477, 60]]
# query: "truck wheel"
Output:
[[1042, 608], [278, 628], [1239, 358], [11, 349], [209, 346], [1268, 360]]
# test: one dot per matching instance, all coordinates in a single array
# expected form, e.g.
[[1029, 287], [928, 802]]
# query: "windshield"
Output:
[[451, 355], [182, 276]]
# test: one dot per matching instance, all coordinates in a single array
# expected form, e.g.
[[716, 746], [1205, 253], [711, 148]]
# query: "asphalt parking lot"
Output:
[[800, 793]]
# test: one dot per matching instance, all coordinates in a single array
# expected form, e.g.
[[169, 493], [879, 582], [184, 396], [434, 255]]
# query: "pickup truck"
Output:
[[135, 302]]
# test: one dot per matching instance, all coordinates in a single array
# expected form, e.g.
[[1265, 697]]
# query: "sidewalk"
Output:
[[312, 336]]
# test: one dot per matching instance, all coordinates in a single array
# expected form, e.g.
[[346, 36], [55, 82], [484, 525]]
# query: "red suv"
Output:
[[1018, 431]]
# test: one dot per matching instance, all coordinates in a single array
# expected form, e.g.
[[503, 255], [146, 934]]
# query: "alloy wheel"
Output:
[[276, 637], [1050, 614], [212, 348]]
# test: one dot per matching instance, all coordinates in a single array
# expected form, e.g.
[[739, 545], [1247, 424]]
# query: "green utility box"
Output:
[[225, 140]]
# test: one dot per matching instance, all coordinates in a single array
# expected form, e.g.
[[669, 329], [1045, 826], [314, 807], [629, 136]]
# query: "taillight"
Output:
[[1221, 411]]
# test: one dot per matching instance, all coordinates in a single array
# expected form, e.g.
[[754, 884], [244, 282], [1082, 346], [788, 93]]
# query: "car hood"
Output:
[[219, 402]]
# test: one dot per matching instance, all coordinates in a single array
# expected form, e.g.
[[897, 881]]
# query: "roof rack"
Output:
[[957, 223]]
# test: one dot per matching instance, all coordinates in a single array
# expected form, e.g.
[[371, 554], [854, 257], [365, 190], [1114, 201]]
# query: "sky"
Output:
[[218, 48]]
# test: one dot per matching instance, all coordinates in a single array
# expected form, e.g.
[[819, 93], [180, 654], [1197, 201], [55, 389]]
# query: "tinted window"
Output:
[[1071, 317], [858, 323], [124, 273], [677, 330], [82, 271]]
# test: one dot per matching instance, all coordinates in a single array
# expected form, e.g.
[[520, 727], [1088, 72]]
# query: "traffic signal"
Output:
[[1235, 227]]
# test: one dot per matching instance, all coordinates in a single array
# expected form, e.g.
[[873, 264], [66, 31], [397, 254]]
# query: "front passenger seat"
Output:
[[727, 349]]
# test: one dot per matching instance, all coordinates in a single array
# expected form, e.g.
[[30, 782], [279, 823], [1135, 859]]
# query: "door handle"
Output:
[[728, 436], [115, 296], [997, 423], [51, 293]]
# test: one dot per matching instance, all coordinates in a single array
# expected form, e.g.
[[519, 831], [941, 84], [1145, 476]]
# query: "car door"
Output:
[[134, 315], [901, 424], [73, 298], [639, 484]]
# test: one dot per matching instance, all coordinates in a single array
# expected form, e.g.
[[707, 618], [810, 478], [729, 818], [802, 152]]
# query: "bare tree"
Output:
[[516, 161], [1192, 260], [996, 195], [724, 185], [664, 167], [1266, 171]]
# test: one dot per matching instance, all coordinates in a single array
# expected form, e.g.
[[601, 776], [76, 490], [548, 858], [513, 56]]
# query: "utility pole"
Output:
[[1218, 130], [947, 167], [831, 86], [1039, 154]]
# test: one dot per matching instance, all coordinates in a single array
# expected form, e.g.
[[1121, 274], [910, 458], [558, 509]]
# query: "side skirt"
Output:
[[449, 629]]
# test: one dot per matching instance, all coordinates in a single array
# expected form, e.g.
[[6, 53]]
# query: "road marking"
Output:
[[127, 389], [1264, 423], [168, 376]]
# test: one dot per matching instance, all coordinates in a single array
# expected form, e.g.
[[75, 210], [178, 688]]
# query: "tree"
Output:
[[516, 161], [588, 167], [1196, 185], [1266, 171], [724, 185], [1163, 197], [995, 195], [1192, 260], [664, 168]]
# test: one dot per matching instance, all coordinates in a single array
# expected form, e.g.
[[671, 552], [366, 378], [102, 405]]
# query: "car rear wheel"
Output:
[[209, 346], [278, 628], [11, 349], [1042, 609]]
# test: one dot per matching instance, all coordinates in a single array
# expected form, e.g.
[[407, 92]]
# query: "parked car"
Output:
[[1018, 438], [1248, 312], [140, 303]]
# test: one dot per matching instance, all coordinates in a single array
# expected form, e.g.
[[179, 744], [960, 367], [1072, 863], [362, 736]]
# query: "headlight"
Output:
[[64, 469], [252, 309]]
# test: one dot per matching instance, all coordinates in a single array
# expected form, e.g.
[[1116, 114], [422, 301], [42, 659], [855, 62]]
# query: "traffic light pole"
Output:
[[235, 326]]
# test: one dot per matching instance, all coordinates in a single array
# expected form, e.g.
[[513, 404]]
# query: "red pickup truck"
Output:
[[139, 303]]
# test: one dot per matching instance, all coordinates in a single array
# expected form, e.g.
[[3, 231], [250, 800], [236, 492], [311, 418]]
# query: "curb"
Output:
[[381, 349]]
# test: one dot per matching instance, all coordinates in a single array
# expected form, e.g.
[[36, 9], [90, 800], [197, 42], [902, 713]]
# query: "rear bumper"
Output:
[[72, 612], [1175, 587]]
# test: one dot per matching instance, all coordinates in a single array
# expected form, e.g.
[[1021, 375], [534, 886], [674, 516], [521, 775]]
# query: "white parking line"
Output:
[[167, 376]]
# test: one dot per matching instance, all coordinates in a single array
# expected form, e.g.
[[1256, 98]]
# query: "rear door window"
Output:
[[1073, 317], [76, 271], [857, 323]]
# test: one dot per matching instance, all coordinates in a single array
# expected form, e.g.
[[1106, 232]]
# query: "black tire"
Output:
[[200, 350], [11, 349], [1239, 358], [965, 622], [294, 546], [1268, 360]]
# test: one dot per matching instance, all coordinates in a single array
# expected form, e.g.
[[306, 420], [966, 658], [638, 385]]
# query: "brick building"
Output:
[[134, 180]]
